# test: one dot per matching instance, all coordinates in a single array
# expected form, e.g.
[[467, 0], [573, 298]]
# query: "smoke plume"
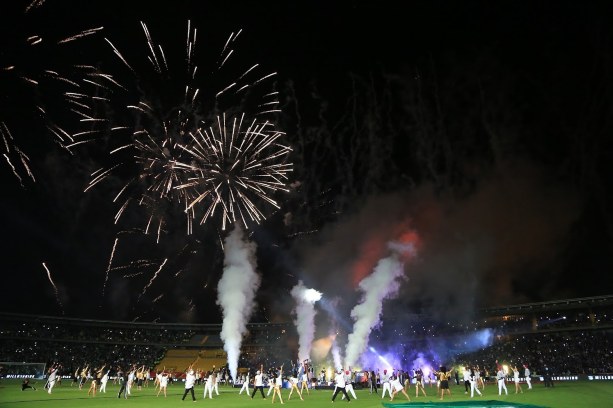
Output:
[[305, 318], [382, 284], [236, 291], [336, 356]]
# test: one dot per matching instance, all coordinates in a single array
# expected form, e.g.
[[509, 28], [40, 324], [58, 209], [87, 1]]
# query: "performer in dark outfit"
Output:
[[339, 379], [419, 382], [124, 383], [443, 376], [258, 382], [372, 379], [26, 384]]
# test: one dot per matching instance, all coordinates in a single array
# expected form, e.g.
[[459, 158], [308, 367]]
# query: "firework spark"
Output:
[[34, 4], [136, 264]]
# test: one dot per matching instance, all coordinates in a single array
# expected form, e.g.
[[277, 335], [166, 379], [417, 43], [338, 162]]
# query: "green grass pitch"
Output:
[[565, 394]]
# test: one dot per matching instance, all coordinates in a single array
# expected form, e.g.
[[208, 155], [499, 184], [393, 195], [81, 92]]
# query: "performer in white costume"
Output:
[[245, 386], [385, 383]]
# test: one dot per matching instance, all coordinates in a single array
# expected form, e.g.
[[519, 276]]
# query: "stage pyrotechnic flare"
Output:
[[236, 291], [382, 284], [312, 296], [305, 318]]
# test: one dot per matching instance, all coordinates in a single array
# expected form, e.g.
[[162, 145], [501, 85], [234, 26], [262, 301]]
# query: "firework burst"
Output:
[[234, 165], [163, 124], [173, 100]]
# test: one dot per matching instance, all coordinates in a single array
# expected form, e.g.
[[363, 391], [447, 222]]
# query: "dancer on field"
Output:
[[419, 382], [527, 376], [163, 382], [245, 386], [258, 382], [278, 384], [518, 388], [397, 387], [339, 381], [443, 377]]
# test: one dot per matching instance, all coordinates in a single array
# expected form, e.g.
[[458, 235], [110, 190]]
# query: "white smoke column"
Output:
[[305, 318], [336, 355], [236, 291], [382, 284]]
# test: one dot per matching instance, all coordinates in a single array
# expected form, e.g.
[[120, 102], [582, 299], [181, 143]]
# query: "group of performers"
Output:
[[298, 378], [396, 382], [99, 378], [474, 380], [211, 380]]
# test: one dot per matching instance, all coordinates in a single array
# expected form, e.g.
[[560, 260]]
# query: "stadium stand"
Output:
[[567, 337]]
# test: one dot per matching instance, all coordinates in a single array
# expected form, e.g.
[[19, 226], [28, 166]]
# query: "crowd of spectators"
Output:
[[75, 355], [564, 344], [552, 321], [76, 344], [562, 353], [90, 333]]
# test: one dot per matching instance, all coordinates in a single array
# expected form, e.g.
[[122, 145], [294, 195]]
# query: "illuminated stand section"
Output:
[[15, 369], [597, 377]]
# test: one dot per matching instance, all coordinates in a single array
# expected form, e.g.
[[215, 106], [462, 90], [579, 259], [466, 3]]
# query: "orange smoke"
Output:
[[375, 248], [321, 348]]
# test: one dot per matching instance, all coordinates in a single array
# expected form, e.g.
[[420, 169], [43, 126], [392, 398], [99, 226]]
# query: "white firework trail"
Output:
[[155, 275], [82, 34], [57, 293], [34, 4], [108, 268]]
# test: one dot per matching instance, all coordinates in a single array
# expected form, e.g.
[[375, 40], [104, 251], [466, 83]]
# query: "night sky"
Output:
[[483, 127]]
